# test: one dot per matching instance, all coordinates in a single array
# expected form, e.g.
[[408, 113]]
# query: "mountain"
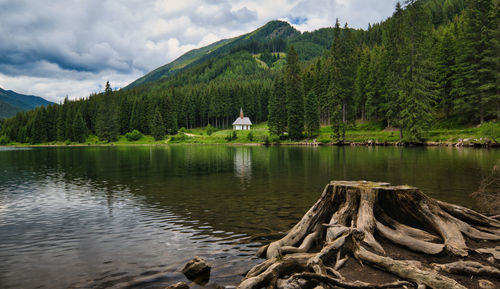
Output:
[[12, 102], [272, 37]]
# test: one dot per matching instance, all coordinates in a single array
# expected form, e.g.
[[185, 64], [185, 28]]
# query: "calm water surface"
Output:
[[108, 217]]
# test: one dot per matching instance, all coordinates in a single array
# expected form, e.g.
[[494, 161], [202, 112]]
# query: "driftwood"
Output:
[[355, 219]]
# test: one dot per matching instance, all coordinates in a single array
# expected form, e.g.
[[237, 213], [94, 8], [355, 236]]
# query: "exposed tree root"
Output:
[[495, 252], [351, 218], [468, 267]]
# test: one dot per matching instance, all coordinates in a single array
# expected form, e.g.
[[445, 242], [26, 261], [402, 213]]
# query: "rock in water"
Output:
[[197, 270], [178, 285]]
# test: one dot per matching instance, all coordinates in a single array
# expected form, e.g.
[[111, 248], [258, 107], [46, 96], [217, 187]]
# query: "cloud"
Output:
[[57, 48]]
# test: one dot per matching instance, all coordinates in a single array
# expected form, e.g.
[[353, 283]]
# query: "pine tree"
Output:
[[38, 130], [60, 123], [445, 67], [417, 92], [343, 75], [125, 112], [393, 82], [375, 85], [475, 81], [489, 73], [107, 126], [361, 84], [277, 119], [135, 116], [295, 98], [169, 116], [79, 128], [157, 126], [311, 114]]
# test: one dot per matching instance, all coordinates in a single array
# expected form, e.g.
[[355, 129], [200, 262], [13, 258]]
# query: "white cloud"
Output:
[[57, 48]]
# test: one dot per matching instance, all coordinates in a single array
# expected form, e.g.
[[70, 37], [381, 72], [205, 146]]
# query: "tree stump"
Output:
[[356, 219]]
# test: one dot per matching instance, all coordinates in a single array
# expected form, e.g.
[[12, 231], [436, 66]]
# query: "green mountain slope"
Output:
[[271, 37], [12, 102]]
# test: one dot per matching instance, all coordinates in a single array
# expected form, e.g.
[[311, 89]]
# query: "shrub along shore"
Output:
[[358, 135]]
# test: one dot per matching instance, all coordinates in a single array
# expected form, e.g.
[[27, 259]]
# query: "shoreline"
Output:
[[307, 144]]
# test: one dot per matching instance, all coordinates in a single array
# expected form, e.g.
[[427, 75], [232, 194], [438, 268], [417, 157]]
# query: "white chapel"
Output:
[[242, 122]]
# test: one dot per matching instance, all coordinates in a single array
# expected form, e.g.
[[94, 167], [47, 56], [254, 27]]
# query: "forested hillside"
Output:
[[12, 102], [432, 64]]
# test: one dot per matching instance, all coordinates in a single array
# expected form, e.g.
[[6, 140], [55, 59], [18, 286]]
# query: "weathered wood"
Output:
[[468, 215], [408, 270], [345, 284], [350, 220], [400, 238], [468, 267]]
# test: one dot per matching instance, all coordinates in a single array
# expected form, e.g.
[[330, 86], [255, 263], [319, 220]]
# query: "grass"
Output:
[[359, 133]]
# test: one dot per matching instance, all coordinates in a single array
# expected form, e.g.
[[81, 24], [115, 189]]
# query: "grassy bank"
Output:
[[362, 133]]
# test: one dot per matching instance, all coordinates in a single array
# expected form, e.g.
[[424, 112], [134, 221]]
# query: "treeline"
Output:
[[407, 74], [114, 113]]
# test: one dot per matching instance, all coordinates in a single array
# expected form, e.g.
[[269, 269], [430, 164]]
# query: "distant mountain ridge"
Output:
[[12, 102], [274, 31]]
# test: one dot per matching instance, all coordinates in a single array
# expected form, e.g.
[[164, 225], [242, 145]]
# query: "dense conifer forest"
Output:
[[433, 63]]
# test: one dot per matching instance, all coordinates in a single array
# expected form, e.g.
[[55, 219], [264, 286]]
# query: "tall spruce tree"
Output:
[[343, 76], [278, 119], [335, 89], [169, 115], [418, 83], [79, 128], [311, 114], [107, 126], [375, 84], [294, 93], [446, 55], [475, 81], [61, 113], [361, 84], [157, 126], [490, 59], [393, 43]]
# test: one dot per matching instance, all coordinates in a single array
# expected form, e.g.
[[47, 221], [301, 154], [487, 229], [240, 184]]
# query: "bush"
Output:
[[250, 136], [182, 129], [324, 140], [265, 140], [180, 137], [4, 140], [491, 130], [92, 139], [275, 139], [232, 136], [210, 129], [135, 135], [67, 142]]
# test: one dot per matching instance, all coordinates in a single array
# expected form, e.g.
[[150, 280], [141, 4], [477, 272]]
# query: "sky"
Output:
[[60, 48]]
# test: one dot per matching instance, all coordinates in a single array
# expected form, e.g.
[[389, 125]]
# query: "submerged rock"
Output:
[[197, 270]]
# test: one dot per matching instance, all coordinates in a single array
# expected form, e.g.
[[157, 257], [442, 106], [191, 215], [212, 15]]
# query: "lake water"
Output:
[[104, 217]]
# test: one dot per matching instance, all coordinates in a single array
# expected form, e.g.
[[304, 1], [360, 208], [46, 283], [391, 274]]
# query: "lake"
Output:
[[105, 217]]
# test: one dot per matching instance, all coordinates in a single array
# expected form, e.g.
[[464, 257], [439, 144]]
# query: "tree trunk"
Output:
[[481, 111], [359, 220]]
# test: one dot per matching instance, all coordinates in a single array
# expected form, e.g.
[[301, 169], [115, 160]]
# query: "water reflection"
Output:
[[104, 217], [243, 163]]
